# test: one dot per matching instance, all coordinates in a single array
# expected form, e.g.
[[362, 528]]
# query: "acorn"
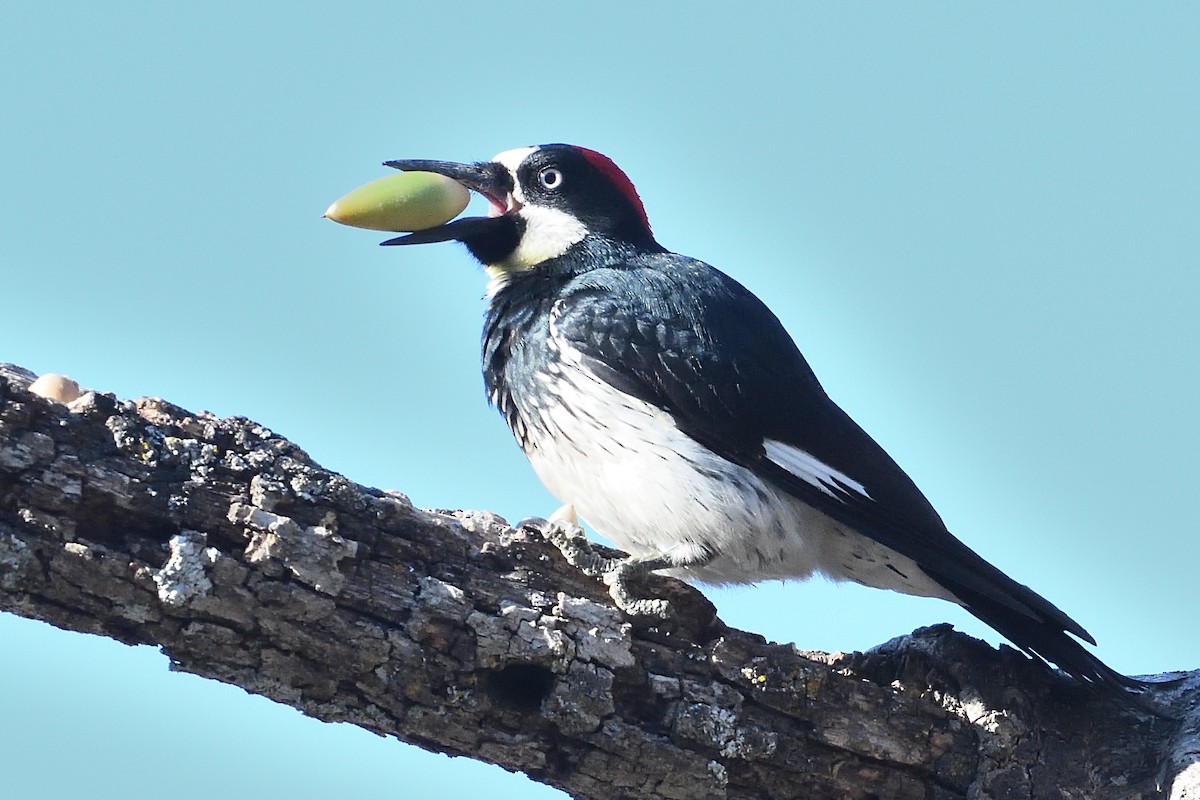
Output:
[[58, 388], [403, 202]]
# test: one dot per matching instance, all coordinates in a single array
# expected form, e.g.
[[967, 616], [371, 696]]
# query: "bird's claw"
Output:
[[571, 541], [563, 531], [617, 580]]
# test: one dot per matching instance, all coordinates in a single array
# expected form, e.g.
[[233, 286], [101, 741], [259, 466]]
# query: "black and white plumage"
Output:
[[669, 406]]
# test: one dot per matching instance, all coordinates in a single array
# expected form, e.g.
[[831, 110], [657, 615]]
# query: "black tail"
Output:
[[1034, 624]]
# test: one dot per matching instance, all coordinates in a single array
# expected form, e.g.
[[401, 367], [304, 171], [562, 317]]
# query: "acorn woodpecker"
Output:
[[666, 404]]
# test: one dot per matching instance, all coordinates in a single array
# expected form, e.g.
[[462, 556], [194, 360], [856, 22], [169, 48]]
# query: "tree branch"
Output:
[[228, 547]]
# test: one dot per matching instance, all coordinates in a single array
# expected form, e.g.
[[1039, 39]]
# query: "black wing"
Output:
[[722, 365]]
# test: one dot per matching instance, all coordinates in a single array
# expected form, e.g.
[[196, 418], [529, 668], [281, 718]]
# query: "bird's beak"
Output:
[[491, 180]]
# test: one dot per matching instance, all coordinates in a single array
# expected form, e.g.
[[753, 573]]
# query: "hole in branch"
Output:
[[520, 686]]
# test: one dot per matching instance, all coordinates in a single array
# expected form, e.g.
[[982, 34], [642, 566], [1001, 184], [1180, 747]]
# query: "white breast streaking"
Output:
[[641, 482]]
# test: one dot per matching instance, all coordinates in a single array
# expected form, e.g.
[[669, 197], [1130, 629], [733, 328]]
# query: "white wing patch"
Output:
[[810, 469]]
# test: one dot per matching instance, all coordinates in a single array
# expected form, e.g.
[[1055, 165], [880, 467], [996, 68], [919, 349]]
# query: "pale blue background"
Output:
[[980, 222]]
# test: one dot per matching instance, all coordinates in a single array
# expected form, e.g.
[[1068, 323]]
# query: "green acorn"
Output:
[[405, 201]]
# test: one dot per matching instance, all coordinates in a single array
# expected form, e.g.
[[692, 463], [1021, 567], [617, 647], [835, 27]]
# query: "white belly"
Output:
[[651, 489]]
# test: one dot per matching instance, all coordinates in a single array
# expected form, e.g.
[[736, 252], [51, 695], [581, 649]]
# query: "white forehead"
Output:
[[511, 159]]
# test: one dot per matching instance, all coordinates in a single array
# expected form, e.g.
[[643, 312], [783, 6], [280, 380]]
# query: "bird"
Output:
[[667, 406]]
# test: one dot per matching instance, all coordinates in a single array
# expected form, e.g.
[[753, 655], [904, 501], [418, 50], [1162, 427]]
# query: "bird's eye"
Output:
[[550, 178]]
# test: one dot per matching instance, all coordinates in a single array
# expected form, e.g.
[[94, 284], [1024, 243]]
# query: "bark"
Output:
[[228, 547]]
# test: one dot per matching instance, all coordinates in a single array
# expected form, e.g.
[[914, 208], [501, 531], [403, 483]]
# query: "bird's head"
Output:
[[543, 200]]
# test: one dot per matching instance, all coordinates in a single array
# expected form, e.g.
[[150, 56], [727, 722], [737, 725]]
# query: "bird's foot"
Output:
[[633, 569], [562, 530]]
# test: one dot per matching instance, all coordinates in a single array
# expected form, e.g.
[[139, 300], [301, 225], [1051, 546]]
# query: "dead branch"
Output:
[[228, 547]]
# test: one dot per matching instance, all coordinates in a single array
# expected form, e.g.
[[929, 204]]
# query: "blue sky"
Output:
[[979, 223]]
